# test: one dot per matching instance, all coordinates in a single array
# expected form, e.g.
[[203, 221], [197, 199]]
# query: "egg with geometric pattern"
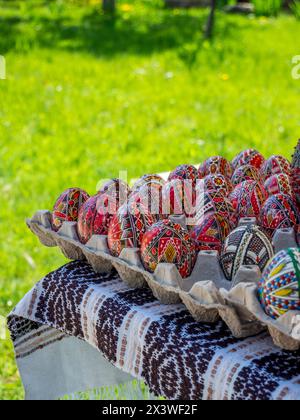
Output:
[[117, 189], [248, 157], [210, 234], [276, 164], [295, 173], [246, 245], [279, 288], [94, 218], [146, 179], [184, 173], [128, 226], [168, 242], [245, 173], [215, 165], [279, 212], [279, 184], [67, 206], [211, 202], [178, 197], [248, 198]]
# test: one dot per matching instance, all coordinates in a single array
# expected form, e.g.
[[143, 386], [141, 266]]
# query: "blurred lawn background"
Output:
[[87, 95]]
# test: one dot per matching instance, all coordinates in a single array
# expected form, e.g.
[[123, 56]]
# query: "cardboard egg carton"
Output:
[[207, 294]]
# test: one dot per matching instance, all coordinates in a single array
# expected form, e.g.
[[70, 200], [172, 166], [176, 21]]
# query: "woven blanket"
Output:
[[177, 357]]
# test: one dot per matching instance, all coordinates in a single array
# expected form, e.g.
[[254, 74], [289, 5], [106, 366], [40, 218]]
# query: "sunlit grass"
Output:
[[86, 95]]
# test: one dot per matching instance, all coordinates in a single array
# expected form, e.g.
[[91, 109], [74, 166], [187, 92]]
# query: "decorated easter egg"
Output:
[[94, 218], [67, 207], [279, 184], [248, 198], [127, 227], [150, 196], [178, 197], [217, 182], [248, 157], [146, 179], [116, 189], [215, 165], [185, 173], [295, 184], [168, 242], [275, 165], [211, 233], [211, 202], [246, 245], [295, 173], [279, 289], [279, 212], [245, 173]]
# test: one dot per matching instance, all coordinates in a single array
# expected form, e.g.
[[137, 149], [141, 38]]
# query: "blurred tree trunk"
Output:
[[211, 20], [109, 6]]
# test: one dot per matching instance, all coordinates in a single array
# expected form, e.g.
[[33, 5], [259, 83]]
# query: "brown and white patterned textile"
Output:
[[176, 356]]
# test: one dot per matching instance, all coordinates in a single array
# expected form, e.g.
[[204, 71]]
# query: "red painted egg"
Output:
[[211, 202], [168, 242], [185, 173], [127, 227], [275, 165], [146, 179], [211, 233], [295, 184], [245, 173], [94, 218], [217, 182], [150, 197], [118, 190], [279, 211], [248, 198], [248, 157], [67, 207], [178, 197], [215, 165], [279, 184]]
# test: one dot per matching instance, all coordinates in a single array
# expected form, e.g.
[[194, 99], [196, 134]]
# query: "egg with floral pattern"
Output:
[[217, 182]]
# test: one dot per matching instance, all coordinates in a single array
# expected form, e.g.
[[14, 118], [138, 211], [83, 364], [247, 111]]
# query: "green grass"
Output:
[[87, 95]]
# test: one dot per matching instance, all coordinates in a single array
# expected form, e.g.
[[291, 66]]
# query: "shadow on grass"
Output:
[[102, 35]]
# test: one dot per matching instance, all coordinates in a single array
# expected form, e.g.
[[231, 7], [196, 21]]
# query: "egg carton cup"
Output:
[[207, 294]]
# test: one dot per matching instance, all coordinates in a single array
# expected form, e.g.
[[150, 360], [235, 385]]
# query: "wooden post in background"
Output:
[[211, 20], [109, 6]]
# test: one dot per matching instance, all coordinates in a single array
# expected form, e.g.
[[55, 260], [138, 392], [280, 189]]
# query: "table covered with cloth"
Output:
[[74, 308]]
